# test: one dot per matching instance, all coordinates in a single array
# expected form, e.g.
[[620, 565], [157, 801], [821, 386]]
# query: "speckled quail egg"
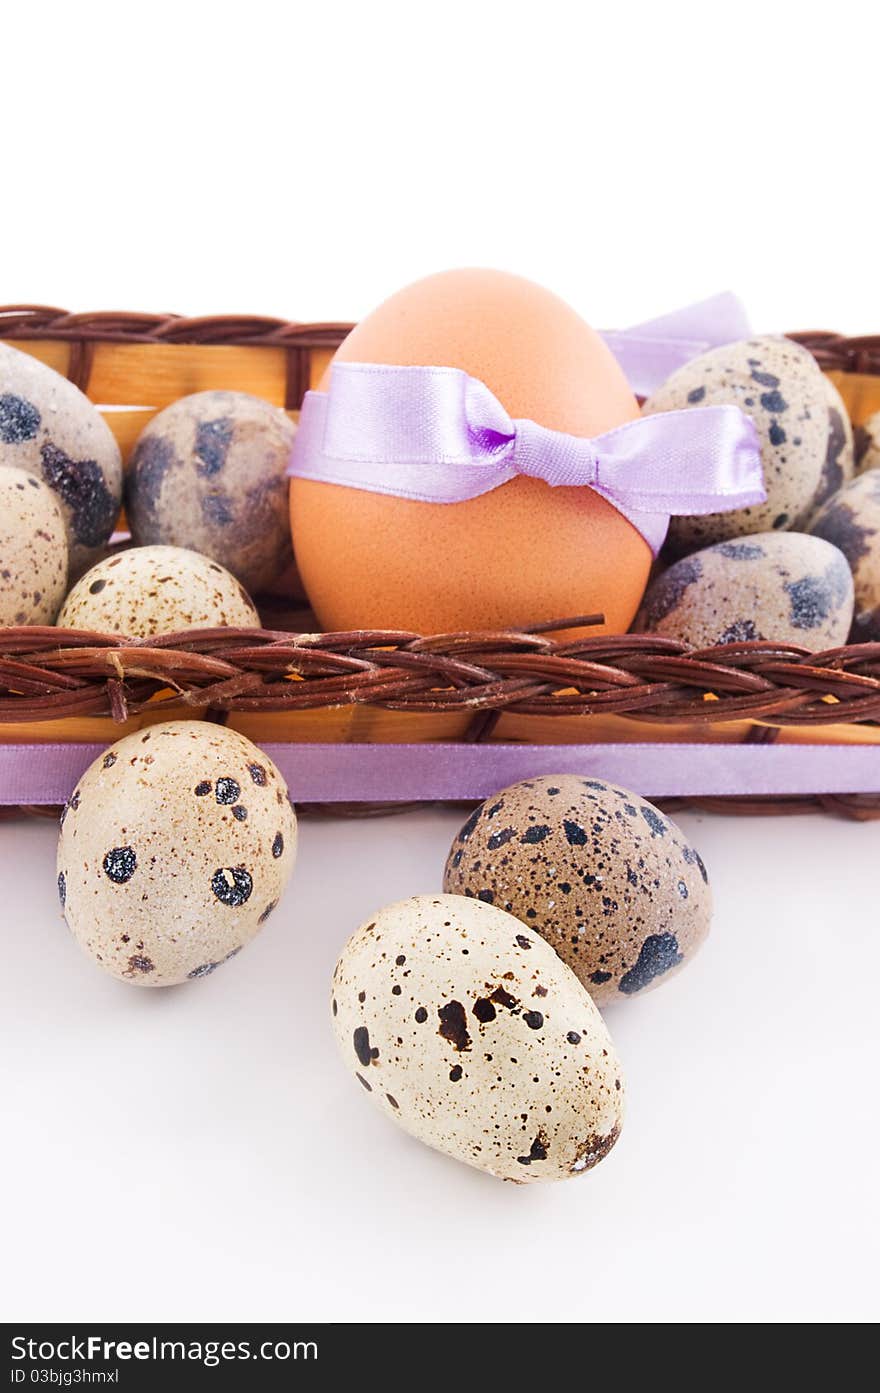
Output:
[[780, 586], [157, 590], [840, 463], [50, 428], [851, 521], [174, 849], [608, 880], [209, 472], [780, 386], [33, 550], [465, 1027], [867, 444]]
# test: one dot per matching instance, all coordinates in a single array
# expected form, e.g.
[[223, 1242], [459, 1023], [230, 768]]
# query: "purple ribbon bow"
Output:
[[437, 435]]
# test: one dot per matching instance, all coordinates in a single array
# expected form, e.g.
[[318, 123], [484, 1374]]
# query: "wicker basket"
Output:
[[286, 686]]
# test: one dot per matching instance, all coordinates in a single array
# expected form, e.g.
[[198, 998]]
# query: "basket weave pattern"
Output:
[[48, 673]]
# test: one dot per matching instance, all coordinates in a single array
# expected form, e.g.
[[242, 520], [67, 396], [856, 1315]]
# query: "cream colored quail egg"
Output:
[[51, 429], [33, 550], [174, 849], [464, 1027], [157, 590], [610, 882], [782, 586], [781, 387], [210, 472]]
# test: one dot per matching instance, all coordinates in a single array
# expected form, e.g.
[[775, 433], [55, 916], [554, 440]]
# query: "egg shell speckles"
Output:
[[50, 428], [160, 876], [867, 444], [780, 386], [33, 550], [840, 463], [157, 590], [773, 585], [608, 880], [467, 1029], [851, 521], [209, 472]]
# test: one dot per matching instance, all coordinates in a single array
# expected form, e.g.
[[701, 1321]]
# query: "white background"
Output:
[[201, 1153]]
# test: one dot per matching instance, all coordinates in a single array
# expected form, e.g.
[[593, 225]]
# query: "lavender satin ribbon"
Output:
[[41, 774], [649, 353], [436, 435]]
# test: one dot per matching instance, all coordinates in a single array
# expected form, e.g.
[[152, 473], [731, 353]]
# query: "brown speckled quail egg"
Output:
[[50, 428], [781, 586], [209, 472], [174, 849], [157, 590], [867, 444], [851, 521], [33, 550], [781, 387], [608, 880], [466, 1029], [840, 462]]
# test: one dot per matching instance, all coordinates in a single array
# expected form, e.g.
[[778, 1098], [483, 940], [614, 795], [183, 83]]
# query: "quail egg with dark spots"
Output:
[[611, 883], [33, 550], [210, 472], [464, 1027], [50, 428], [840, 463], [851, 521], [781, 387], [174, 849], [157, 590], [782, 586]]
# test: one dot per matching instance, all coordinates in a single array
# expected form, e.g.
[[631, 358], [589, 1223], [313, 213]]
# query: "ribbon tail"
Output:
[[650, 352], [718, 320]]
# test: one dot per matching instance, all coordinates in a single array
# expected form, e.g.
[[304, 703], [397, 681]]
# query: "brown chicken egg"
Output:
[[520, 554]]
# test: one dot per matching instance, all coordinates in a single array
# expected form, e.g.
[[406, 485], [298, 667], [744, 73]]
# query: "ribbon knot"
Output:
[[564, 460]]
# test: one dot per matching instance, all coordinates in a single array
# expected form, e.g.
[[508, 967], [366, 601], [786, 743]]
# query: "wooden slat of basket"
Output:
[[860, 392], [104, 353], [126, 426], [155, 374]]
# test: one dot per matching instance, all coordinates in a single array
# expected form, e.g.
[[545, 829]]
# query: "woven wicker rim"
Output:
[[860, 354], [49, 673]]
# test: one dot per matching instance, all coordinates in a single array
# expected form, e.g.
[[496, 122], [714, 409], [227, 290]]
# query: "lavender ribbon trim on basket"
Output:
[[437, 435], [45, 774]]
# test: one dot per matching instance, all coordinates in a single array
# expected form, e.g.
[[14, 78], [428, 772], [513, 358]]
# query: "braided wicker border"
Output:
[[48, 673], [853, 353]]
